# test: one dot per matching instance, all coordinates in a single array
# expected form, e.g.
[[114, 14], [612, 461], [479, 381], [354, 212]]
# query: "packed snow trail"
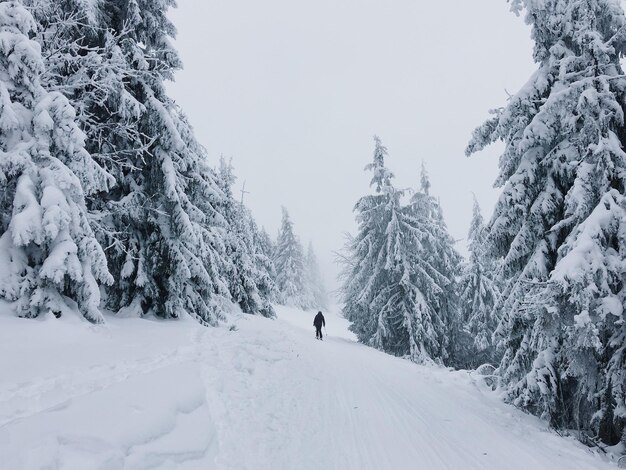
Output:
[[141, 394]]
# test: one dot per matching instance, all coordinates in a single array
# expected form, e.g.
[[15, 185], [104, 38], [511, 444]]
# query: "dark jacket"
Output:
[[319, 320]]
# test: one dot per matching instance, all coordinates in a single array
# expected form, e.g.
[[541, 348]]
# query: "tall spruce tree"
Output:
[[289, 264], [265, 250], [247, 272], [478, 290], [178, 234], [51, 256], [314, 281], [437, 259], [265, 277], [393, 289], [559, 223]]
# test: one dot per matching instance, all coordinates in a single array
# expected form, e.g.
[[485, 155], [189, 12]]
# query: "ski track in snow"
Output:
[[140, 394]]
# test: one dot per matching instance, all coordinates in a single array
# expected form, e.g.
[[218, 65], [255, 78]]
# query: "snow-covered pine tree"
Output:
[[392, 289], [437, 266], [160, 225], [290, 268], [180, 235], [85, 61], [265, 249], [51, 257], [266, 273], [586, 291], [247, 271], [369, 277], [479, 292], [559, 224], [314, 281]]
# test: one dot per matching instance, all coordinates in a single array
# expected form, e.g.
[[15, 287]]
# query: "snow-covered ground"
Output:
[[138, 394]]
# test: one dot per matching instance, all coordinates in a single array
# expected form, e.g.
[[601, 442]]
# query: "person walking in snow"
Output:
[[318, 323]]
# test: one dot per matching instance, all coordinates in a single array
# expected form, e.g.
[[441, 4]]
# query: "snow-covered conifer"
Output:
[[478, 289], [46, 243], [161, 225], [437, 267], [314, 281], [289, 263], [266, 272], [393, 286], [559, 223], [246, 269]]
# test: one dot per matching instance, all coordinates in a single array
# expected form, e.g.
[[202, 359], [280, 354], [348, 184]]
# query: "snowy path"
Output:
[[141, 394], [300, 403]]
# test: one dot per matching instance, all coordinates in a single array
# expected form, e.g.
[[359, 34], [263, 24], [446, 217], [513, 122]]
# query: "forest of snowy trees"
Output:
[[110, 203], [108, 199], [542, 294]]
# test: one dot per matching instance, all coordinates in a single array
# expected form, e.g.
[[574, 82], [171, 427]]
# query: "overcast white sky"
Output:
[[294, 92]]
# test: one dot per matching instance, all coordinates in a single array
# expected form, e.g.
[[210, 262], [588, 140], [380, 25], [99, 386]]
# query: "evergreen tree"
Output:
[[393, 289], [160, 225], [247, 272], [559, 224], [290, 268], [437, 259], [178, 235], [314, 281], [46, 241], [266, 248], [266, 273], [479, 291]]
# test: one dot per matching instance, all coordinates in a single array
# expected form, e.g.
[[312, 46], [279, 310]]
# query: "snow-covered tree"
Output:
[[246, 269], [393, 289], [559, 223], [160, 225], [478, 290], [314, 281], [177, 237], [289, 263], [437, 266], [266, 248], [266, 272], [373, 296], [51, 257], [586, 293], [86, 62]]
